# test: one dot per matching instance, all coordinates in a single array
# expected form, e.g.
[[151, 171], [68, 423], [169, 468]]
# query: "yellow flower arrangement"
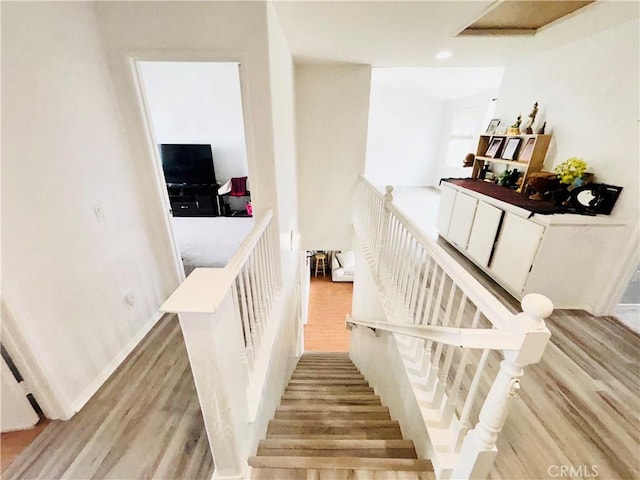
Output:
[[571, 169]]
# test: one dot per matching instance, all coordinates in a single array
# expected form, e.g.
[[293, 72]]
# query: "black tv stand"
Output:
[[193, 200]]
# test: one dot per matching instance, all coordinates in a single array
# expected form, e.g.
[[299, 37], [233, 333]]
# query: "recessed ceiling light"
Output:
[[443, 55]]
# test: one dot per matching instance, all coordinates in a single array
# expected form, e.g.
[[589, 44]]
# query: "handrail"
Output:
[[480, 338], [493, 309], [204, 290], [247, 245]]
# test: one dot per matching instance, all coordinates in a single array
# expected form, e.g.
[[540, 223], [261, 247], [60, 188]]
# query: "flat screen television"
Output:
[[187, 164]]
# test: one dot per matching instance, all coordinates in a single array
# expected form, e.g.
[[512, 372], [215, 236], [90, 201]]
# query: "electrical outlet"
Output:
[[99, 211]]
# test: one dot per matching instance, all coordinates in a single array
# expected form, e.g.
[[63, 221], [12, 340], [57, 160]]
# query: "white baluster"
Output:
[[479, 450]]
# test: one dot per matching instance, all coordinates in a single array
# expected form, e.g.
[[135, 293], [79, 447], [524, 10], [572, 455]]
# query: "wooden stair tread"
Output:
[[331, 425], [328, 396], [333, 422], [311, 406], [322, 415], [314, 433], [335, 474], [396, 464], [328, 388], [335, 444], [328, 381]]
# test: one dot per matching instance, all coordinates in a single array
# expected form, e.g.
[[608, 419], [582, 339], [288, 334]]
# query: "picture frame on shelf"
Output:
[[511, 148], [493, 125], [494, 147], [527, 151]]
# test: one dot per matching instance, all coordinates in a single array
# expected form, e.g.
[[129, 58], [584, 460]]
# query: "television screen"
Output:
[[188, 164]]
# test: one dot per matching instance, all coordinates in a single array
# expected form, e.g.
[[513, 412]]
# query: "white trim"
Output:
[[161, 190], [31, 369], [627, 267], [115, 362]]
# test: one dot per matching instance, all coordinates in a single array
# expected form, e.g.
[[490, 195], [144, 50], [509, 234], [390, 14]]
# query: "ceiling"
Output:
[[396, 33], [523, 17]]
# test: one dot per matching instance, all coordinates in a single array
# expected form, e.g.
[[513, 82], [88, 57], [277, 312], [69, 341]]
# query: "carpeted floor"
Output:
[[209, 241]]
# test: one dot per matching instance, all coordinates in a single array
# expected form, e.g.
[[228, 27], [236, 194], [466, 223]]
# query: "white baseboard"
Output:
[[106, 372]]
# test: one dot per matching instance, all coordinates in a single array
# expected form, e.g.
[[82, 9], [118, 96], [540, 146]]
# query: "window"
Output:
[[461, 140]]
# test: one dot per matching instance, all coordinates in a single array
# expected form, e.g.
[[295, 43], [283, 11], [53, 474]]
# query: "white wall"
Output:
[[440, 168], [284, 145], [588, 94], [404, 133], [197, 102], [332, 105], [64, 151]]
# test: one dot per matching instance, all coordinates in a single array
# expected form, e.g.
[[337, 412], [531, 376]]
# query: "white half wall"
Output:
[[77, 236], [199, 102], [332, 105]]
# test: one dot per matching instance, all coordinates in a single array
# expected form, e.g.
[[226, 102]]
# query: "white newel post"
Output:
[[478, 449], [215, 345]]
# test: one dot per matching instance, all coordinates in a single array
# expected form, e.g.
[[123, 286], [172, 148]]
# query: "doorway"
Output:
[[330, 298], [195, 117]]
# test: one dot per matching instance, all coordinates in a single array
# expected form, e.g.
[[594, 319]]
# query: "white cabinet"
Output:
[[447, 198], [515, 250], [464, 210], [555, 255], [484, 232]]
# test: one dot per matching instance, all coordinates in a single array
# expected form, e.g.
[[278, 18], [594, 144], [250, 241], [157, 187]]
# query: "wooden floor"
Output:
[[144, 423], [579, 408], [329, 304], [13, 443]]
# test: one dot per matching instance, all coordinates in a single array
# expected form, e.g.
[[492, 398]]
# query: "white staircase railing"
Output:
[[228, 320], [452, 334]]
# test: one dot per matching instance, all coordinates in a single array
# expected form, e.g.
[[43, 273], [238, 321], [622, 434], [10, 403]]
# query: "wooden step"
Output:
[[395, 464], [311, 432], [328, 381], [319, 389], [326, 368], [298, 415], [337, 448], [320, 400], [331, 396], [331, 374], [336, 474], [313, 406], [332, 422]]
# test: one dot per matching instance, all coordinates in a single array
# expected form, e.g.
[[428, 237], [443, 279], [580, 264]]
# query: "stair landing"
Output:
[[331, 425]]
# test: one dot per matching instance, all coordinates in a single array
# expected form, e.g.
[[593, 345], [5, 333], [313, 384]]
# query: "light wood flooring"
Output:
[[329, 304], [143, 423], [578, 408]]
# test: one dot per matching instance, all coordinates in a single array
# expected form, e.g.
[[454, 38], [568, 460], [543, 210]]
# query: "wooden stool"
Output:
[[320, 258]]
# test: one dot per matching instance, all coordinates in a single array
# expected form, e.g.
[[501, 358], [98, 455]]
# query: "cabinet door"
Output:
[[464, 209], [484, 232], [515, 250], [447, 198]]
